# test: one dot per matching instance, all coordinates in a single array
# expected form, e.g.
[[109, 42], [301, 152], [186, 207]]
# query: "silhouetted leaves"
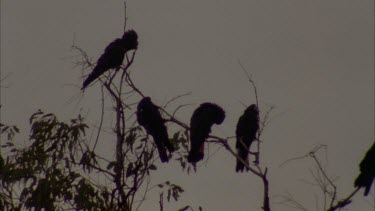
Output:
[[185, 208], [152, 167], [172, 190], [8, 131], [111, 165], [45, 167], [87, 197]]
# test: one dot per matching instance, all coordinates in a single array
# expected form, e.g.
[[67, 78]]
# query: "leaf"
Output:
[[24, 193], [129, 170], [140, 146], [183, 164], [15, 128], [184, 208], [34, 115], [2, 163], [111, 165], [169, 195], [176, 135], [152, 167], [144, 140], [47, 115], [8, 144], [4, 129], [175, 195], [67, 165]]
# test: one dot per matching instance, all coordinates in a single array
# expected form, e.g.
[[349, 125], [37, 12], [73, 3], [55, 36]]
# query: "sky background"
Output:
[[312, 60]]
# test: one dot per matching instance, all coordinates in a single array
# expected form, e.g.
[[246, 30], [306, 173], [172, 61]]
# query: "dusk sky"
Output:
[[312, 60]]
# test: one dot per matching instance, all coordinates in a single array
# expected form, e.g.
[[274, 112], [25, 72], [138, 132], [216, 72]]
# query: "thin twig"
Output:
[[344, 202], [316, 148], [288, 200], [175, 98], [101, 120], [125, 17], [251, 82]]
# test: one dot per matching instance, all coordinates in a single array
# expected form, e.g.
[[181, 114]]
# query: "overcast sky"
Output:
[[312, 60]]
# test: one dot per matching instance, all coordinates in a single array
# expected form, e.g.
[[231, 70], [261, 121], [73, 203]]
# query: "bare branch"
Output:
[[125, 16], [175, 98], [316, 148], [101, 120], [251, 82], [344, 202], [288, 200]]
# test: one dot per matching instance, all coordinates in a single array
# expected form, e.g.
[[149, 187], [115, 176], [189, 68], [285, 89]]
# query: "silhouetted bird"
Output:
[[201, 122], [149, 117], [367, 167], [113, 55], [246, 130]]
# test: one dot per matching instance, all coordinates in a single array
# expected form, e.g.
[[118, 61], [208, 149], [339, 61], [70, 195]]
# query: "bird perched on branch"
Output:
[[113, 55], [201, 122], [367, 167], [149, 117], [246, 130]]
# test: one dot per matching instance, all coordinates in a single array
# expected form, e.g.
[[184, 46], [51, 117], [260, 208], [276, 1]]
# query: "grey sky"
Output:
[[313, 60]]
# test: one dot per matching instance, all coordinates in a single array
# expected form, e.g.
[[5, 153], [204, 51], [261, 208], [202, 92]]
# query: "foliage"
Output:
[[53, 172]]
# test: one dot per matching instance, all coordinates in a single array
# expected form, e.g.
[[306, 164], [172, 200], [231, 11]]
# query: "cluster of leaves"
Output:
[[180, 141], [9, 131], [46, 174], [53, 171], [171, 189]]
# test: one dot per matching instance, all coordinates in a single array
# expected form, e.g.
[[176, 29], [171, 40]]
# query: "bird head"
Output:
[[130, 40], [220, 116], [252, 109], [145, 101], [216, 112]]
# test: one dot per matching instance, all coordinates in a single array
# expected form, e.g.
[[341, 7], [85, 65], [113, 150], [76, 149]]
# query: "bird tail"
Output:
[[364, 181], [244, 155], [163, 132], [92, 77], [159, 140], [196, 153], [163, 154], [169, 146]]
